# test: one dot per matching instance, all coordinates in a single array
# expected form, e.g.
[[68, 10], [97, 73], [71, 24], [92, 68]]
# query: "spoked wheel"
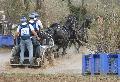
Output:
[[50, 56], [47, 57], [14, 60], [51, 59], [14, 56], [41, 56], [44, 62]]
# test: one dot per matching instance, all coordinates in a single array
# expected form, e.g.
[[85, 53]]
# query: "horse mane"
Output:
[[54, 24]]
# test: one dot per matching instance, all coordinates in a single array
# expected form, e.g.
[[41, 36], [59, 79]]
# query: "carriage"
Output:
[[62, 36], [42, 51]]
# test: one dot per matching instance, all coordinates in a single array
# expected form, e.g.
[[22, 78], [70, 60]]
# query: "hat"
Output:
[[23, 19], [36, 14], [31, 16]]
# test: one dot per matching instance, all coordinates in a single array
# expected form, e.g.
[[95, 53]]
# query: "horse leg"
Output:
[[64, 48], [75, 45], [85, 39], [57, 52], [70, 44], [79, 44], [64, 51]]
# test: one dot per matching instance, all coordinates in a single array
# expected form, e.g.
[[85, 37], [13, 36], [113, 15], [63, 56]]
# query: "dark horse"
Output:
[[59, 35], [77, 33], [71, 26]]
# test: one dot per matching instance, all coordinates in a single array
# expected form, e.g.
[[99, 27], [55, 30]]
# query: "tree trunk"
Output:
[[38, 4]]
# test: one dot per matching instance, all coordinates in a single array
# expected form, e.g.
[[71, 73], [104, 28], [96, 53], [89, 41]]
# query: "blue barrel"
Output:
[[113, 63], [10, 40], [99, 64], [0, 40], [103, 63], [95, 64], [118, 64], [86, 64], [4, 40], [7, 40], [104, 68]]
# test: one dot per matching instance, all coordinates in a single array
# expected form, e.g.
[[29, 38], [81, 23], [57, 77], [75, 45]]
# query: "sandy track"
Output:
[[69, 64], [4, 58], [66, 69]]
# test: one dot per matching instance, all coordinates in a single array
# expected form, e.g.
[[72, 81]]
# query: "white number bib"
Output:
[[25, 31]]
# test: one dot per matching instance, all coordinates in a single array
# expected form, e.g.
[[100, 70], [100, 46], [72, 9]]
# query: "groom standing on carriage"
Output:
[[24, 31]]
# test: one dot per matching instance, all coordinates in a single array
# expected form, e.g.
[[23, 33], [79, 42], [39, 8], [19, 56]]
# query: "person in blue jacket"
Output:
[[38, 21], [33, 22], [24, 31]]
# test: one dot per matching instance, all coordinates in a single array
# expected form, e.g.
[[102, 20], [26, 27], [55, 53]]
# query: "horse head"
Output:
[[55, 26], [49, 30], [87, 22], [71, 22]]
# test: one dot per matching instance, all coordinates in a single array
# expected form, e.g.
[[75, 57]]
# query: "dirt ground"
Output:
[[65, 69], [69, 64], [55, 78]]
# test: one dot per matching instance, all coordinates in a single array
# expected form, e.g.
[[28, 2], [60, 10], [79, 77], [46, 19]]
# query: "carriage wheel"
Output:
[[42, 55], [51, 59], [44, 62], [50, 56], [56, 55], [14, 50], [14, 55], [38, 60]]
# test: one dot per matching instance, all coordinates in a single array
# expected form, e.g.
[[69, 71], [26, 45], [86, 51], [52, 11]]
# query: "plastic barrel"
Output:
[[7, 40], [0, 40]]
